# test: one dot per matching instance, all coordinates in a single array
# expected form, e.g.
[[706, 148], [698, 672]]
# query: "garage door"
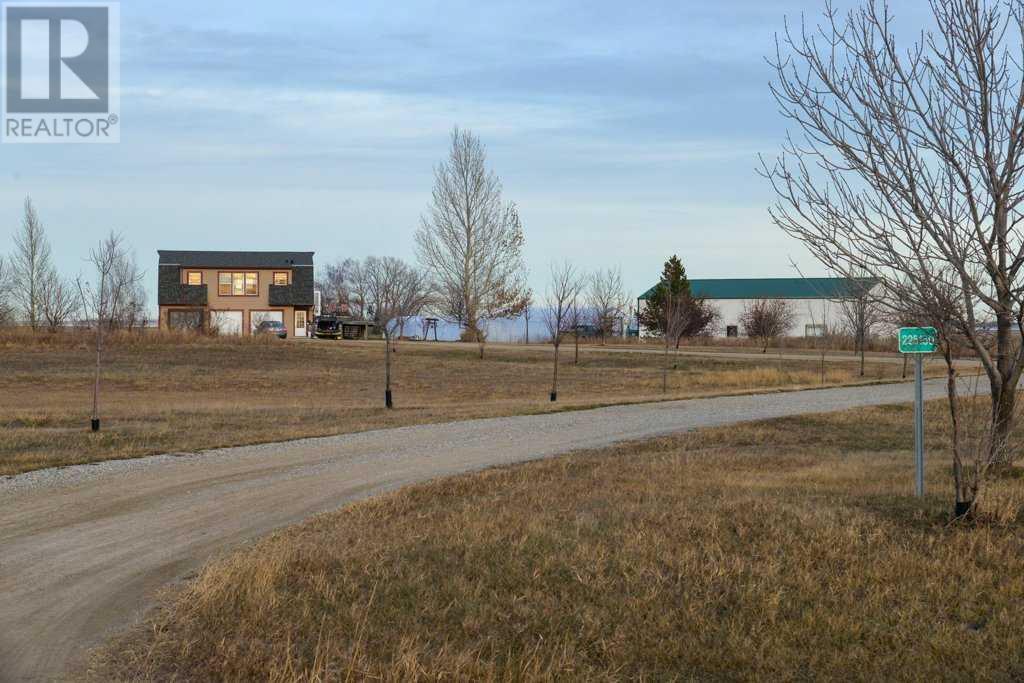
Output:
[[185, 319], [256, 317], [226, 322]]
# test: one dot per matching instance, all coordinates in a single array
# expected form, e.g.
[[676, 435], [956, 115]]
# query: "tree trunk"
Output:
[[1004, 403], [861, 344], [554, 376], [387, 371], [965, 493], [1004, 392], [480, 342], [99, 345], [576, 340], [96, 384], [664, 370]]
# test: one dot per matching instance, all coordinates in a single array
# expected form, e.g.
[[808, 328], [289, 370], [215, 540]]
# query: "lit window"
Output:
[[238, 284], [281, 278], [195, 277]]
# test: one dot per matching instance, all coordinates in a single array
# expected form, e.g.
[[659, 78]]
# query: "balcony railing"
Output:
[[290, 295], [183, 295]]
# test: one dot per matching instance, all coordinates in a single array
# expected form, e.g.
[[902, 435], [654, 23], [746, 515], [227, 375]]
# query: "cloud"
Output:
[[629, 127]]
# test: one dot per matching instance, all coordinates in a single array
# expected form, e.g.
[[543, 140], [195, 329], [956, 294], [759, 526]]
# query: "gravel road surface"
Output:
[[84, 549]]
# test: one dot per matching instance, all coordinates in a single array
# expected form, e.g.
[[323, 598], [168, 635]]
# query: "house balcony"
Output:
[[290, 295], [182, 295]]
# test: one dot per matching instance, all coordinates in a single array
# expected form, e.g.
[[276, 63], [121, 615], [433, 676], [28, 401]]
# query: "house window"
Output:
[[814, 330], [194, 277], [732, 331], [238, 284], [281, 277]]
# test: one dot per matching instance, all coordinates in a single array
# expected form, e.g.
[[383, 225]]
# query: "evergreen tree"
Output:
[[675, 287]]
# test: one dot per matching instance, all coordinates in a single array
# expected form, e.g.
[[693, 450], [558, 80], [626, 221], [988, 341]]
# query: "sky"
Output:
[[625, 132]]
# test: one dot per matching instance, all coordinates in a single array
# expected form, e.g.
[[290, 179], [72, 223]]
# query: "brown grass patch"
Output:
[[782, 550], [169, 393]]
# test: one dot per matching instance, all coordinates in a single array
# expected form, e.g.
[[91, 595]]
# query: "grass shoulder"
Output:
[[171, 393], [744, 552]]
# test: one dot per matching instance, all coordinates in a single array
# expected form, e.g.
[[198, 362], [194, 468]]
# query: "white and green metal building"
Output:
[[816, 301]]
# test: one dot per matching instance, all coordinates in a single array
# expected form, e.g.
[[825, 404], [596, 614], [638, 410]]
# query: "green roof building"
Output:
[[834, 288], [814, 300]]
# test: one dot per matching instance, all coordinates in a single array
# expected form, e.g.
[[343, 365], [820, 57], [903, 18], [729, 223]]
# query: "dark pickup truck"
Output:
[[328, 327], [332, 326]]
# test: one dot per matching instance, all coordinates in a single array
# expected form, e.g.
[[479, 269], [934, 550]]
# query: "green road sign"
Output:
[[918, 340]]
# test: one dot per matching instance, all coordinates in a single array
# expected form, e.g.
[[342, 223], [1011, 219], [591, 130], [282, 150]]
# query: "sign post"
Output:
[[918, 341]]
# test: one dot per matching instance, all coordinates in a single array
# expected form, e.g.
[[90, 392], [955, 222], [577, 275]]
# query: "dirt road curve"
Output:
[[83, 549]]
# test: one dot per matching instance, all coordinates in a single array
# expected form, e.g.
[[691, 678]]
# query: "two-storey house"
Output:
[[232, 292]]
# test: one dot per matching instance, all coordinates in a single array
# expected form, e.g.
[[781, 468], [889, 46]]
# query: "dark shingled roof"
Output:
[[235, 259], [778, 288]]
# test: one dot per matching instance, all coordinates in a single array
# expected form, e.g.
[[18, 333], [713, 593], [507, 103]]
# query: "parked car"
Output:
[[272, 327]]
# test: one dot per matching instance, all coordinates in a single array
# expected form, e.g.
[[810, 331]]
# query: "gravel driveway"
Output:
[[83, 549]]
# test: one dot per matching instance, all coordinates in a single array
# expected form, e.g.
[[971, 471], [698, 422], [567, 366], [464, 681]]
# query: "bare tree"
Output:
[[861, 313], [909, 167], [336, 285], [471, 241], [6, 309], [681, 314], [359, 296], [606, 300], [98, 297], [767, 319], [564, 290], [31, 265], [396, 291], [527, 310], [59, 301], [577, 320], [127, 295], [823, 333]]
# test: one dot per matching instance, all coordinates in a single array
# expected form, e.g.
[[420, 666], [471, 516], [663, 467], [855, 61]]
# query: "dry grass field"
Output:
[[782, 550], [165, 393]]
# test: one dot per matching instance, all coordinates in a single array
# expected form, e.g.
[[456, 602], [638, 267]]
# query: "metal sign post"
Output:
[[919, 421], [918, 341]]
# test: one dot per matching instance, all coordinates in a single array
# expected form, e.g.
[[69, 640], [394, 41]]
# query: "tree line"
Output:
[[110, 295], [35, 294]]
